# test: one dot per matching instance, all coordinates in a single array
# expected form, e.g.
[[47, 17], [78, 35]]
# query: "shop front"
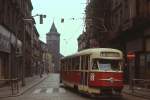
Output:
[[139, 67], [8, 46], [4, 53]]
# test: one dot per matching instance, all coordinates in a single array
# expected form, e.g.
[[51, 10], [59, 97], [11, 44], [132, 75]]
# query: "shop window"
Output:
[[148, 62], [142, 60], [147, 45], [1, 69], [142, 64]]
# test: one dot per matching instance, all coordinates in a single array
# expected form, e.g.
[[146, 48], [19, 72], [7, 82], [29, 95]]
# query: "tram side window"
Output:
[[62, 65], [73, 62], [66, 65], [76, 63], [82, 61], [86, 61], [69, 64], [94, 65]]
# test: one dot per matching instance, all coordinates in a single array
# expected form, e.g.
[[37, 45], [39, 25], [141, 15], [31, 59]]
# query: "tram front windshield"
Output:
[[107, 65]]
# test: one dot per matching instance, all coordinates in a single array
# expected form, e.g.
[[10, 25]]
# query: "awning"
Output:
[[7, 38]]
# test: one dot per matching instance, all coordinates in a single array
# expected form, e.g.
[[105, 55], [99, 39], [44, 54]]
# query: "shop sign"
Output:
[[4, 43]]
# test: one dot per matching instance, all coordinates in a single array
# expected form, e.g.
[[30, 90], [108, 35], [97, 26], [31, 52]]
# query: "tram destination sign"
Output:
[[109, 54]]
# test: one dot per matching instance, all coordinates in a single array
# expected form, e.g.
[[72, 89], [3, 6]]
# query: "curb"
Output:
[[25, 90], [137, 95], [34, 84]]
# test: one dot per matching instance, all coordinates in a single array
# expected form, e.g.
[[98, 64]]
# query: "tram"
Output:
[[94, 71]]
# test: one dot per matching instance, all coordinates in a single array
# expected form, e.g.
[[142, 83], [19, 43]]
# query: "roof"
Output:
[[93, 50], [53, 28]]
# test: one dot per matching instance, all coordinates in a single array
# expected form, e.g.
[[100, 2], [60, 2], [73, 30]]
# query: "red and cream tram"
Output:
[[94, 71]]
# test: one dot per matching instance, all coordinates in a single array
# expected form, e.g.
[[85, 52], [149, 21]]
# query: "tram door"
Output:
[[84, 71]]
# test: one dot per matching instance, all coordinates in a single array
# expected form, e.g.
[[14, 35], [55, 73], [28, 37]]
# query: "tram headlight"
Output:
[[92, 77]]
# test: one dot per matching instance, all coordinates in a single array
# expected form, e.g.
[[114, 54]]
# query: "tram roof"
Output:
[[93, 50]]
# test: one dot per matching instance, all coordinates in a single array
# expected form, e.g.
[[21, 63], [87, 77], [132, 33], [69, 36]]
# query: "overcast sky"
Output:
[[70, 29]]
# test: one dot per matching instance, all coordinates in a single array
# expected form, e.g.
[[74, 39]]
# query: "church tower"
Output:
[[53, 42]]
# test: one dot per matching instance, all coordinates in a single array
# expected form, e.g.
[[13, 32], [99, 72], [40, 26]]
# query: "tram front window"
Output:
[[106, 65]]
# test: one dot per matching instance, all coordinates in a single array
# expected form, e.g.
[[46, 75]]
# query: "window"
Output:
[[107, 65], [73, 63], [142, 60], [1, 68], [148, 61], [77, 60], [95, 66], [82, 62], [85, 62]]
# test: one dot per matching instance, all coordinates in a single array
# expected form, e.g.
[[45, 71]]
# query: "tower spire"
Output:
[[53, 28]]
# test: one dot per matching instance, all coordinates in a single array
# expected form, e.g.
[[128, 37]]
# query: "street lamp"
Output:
[[41, 18], [40, 15]]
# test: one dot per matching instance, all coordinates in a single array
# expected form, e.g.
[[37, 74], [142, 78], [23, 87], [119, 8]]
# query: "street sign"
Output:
[[131, 55]]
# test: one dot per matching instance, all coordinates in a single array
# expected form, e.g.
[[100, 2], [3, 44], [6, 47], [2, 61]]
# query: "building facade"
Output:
[[5, 50], [36, 49], [137, 32], [97, 22], [45, 61], [53, 43], [15, 32], [82, 41], [123, 25]]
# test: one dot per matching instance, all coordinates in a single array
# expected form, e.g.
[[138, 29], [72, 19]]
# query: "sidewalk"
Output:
[[30, 82], [137, 91]]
